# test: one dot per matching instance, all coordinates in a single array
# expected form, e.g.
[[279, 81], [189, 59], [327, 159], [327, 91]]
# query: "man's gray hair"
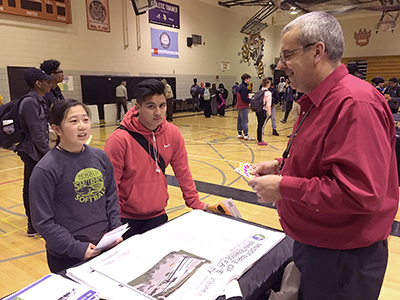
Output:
[[319, 27]]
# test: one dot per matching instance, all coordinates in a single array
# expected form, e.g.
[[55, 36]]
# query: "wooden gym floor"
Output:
[[214, 152]]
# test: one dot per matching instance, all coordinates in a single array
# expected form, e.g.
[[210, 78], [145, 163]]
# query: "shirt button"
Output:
[[317, 210], [303, 112]]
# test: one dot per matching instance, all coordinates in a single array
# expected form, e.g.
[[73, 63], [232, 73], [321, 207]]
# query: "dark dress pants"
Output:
[[170, 109], [207, 108], [121, 102], [329, 274], [288, 108], [195, 103], [262, 119], [29, 164]]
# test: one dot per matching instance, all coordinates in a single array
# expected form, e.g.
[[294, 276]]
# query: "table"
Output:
[[236, 244]]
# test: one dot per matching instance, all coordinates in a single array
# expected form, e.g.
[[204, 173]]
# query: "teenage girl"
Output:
[[73, 192], [264, 115]]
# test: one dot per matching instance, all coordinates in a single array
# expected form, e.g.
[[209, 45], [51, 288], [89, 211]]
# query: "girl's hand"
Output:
[[119, 240], [90, 252]]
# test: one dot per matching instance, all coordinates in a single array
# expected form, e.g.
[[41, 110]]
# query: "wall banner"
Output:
[[164, 43], [166, 14], [98, 17]]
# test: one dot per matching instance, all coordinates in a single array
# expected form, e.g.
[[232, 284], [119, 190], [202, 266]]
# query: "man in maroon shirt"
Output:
[[336, 188]]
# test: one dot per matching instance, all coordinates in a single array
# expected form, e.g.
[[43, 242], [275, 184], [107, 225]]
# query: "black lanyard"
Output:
[[286, 152]]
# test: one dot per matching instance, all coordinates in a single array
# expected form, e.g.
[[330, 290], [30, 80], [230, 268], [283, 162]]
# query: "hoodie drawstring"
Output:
[[155, 153]]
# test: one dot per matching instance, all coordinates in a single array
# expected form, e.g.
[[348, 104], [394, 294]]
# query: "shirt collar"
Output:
[[319, 93]]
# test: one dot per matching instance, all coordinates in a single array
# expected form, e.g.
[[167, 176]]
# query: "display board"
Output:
[[54, 10]]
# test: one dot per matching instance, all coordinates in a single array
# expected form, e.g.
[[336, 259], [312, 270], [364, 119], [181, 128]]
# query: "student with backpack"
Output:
[[275, 101], [222, 95], [207, 100], [73, 192], [140, 152], [194, 92], [33, 118], [288, 97]]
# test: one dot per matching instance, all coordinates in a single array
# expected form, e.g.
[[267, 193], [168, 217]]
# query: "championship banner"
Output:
[[98, 17], [164, 43]]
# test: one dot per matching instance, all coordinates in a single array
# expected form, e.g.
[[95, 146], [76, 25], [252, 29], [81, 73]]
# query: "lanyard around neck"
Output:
[[286, 152]]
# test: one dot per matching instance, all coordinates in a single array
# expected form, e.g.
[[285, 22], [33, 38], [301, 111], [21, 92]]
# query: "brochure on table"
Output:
[[54, 287], [227, 207], [191, 257]]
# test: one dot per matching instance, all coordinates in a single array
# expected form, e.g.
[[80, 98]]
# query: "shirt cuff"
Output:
[[289, 188]]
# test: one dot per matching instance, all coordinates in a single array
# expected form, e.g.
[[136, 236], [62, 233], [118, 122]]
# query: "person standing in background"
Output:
[[234, 91], [214, 101], [207, 100], [52, 67], [264, 115], [170, 100], [242, 106], [288, 98], [194, 91], [121, 97], [34, 117], [201, 95], [222, 95], [275, 101], [281, 89]]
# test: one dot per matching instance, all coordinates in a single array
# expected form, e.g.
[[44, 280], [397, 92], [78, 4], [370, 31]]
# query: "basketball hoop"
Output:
[[386, 25]]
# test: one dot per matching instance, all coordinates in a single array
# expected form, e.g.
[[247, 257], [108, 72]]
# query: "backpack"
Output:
[[194, 90], [275, 95], [225, 94], [206, 94], [10, 129], [257, 101]]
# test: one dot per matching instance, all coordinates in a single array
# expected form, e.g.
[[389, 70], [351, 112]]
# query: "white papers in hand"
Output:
[[110, 237]]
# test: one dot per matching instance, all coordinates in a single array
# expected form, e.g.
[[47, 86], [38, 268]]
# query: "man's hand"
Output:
[[267, 188], [205, 207], [266, 168]]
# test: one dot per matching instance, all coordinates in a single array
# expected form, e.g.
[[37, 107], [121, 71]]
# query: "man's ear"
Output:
[[319, 52], [38, 84]]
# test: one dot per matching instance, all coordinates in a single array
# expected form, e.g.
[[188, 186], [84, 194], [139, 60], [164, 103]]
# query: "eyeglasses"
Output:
[[58, 72], [285, 55]]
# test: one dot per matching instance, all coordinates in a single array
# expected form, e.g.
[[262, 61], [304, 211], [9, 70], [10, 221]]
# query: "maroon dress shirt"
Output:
[[340, 184]]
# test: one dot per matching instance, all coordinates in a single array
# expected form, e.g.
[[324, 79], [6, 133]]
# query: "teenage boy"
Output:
[[33, 117], [52, 67], [140, 152], [242, 106]]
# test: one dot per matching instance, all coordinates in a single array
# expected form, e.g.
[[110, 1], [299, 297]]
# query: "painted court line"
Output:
[[10, 169], [21, 256], [15, 180]]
